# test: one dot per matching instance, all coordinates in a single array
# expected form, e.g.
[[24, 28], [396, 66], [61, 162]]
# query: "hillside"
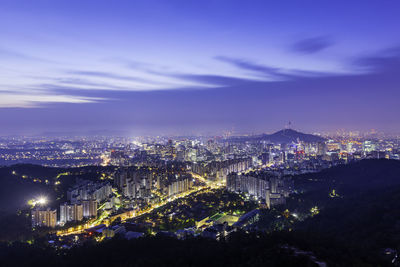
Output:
[[21, 182], [285, 136], [351, 179], [356, 222], [241, 250]]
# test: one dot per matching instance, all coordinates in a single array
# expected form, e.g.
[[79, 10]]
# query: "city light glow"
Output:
[[39, 201], [42, 200]]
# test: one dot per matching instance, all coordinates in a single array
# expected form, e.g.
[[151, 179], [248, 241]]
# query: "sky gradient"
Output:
[[198, 67]]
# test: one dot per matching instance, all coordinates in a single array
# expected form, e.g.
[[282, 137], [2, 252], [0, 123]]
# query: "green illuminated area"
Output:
[[103, 214], [333, 194]]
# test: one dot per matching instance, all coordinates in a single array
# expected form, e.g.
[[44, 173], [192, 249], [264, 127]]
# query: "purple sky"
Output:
[[189, 67]]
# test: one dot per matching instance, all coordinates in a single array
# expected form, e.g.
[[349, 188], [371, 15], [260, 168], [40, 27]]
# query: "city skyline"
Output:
[[182, 68], [199, 133]]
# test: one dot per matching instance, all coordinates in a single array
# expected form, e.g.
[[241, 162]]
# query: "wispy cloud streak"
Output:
[[312, 45]]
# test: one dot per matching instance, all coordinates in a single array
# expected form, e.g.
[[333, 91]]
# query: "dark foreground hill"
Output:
[[359, 213], [241, 250], [349, 181]]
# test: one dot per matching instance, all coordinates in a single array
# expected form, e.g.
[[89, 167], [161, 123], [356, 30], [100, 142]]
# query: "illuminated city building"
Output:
[[89, 208], [71, 212], [368, 146], [180, 185], [85, 190], [44, 217]]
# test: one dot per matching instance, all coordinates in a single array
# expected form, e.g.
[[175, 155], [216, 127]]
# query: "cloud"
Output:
[[387, 61], [12, 100], [132, 64], [254, 73], [213, 80], [267, 71], [312, 45], [203, 80], [382, 67], [109, 75], [11, 54], [78, 83], [136, 83], [6, 53], [355, 100]]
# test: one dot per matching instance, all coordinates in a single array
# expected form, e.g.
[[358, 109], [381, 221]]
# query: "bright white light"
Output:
[[41, 201]]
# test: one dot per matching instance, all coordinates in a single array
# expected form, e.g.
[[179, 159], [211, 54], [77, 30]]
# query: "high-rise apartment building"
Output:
[[262, 186], [71, 212], [179, 186], [41, 217], [89, 208]]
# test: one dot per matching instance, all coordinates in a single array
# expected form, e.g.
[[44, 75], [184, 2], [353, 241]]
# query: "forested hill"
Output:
[[285, 136], [373, 174], [359, 212], [21, 182]]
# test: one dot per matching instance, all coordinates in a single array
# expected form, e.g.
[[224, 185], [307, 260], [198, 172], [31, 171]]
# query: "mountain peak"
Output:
[[287, 131], [285, 136], [290, 135]]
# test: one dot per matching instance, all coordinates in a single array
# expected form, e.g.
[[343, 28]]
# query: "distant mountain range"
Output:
[[282, 136]]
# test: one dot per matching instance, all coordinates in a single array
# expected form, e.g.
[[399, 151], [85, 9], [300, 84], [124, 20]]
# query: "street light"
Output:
[[41, 200]]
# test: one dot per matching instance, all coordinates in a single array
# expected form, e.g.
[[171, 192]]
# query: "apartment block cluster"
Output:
[[77, 211], [264, 186], [83, 200], [219, 170], [134, 182], [182, 150], [179, 184], [88, 190], [141, 183]]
